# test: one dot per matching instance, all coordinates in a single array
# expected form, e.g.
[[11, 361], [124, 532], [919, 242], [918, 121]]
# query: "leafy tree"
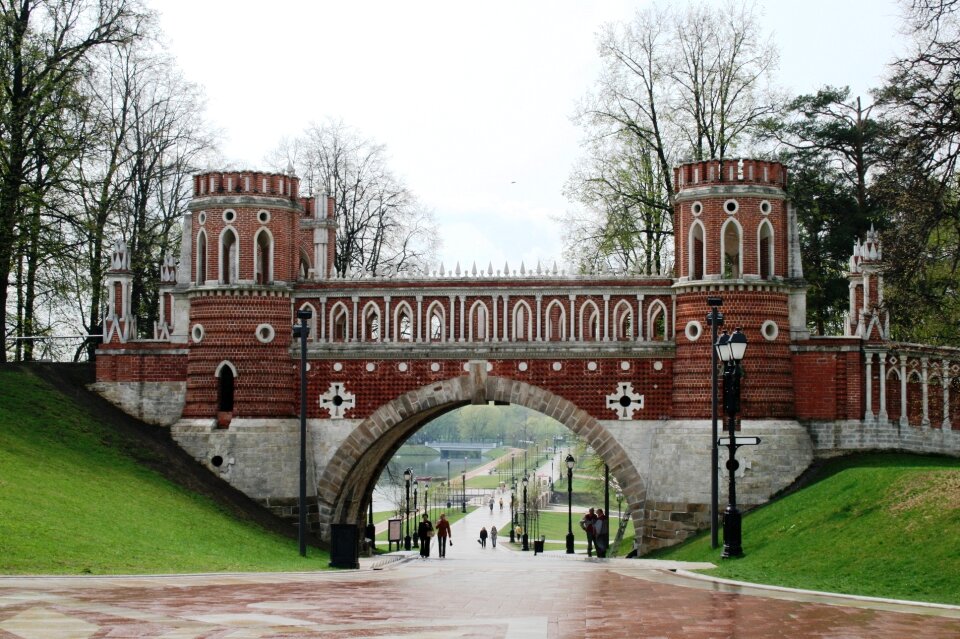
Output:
[[832, 144], [919, 186]]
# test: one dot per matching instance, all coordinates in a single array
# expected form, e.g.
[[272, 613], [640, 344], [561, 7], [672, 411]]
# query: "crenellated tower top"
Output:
[[729, 171], [285, 185], [867, 316]]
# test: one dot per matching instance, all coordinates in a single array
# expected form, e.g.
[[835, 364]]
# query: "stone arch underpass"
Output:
[[346, 483]]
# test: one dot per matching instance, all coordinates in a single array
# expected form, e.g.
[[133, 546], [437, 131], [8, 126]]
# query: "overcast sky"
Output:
[[472, 100]]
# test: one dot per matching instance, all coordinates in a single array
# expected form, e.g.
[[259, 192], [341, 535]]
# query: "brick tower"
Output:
[[736, 238], [244, 261]]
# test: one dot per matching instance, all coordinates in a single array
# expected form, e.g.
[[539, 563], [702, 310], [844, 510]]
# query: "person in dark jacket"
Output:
[[483, 537], [425, 533]]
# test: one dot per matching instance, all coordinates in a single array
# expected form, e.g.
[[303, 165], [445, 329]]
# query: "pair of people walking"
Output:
[[597, 528], [484, 535]]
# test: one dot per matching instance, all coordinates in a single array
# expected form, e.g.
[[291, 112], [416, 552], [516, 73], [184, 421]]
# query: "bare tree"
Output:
[[674, 85], [44, 50], [382, 228]]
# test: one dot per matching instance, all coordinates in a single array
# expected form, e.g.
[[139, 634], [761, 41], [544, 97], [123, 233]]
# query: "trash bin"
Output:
[[344, 546], [538, 544]]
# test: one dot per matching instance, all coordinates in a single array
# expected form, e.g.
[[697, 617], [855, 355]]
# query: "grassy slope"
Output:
[[72, 501], [885, 525]]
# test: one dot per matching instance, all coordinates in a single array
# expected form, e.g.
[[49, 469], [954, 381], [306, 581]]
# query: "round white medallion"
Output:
[[265, 333], [694, 330], [402, 367], [434, 367], [337, 366], [591, 366], [557, 366], [522, 366], [658, 365], [624, 366], [769, 330], [371, 367]]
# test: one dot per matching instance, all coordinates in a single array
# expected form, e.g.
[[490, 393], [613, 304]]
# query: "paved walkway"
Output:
[[497, 594]]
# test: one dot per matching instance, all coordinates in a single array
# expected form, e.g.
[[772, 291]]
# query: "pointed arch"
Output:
[[590, 325], [522, 323], [229, 257], [339, 323], [370, 325], [403, 323], [731, 250], [263, 257], [657, 322], [303, 267], [766, 250], [696, 250], [436, 322], [478, 327], [622, 321], [201, 271], [312, 322], [556, 322]]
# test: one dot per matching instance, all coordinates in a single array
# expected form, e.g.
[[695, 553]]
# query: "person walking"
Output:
[[491, 505], [483, 537], [493, 536], [443, 533], [501, 504], [425, 532], [601, 533], [587, 525]]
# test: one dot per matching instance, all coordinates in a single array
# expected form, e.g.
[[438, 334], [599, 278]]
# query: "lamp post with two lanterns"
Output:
[[731, 349]]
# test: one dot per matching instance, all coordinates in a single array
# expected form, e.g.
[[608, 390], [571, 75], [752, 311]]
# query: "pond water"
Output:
[[384, 495]]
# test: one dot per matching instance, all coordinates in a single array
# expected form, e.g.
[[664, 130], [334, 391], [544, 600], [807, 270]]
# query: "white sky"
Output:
[[472, 100]]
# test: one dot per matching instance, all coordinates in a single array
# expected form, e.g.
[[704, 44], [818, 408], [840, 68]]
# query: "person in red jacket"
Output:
[[443, 532]]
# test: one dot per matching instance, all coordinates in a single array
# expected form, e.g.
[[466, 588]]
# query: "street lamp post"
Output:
[[416, 514], [714, 319], [407, 474], [463, 478], [526, 538], [513, 510], [570, 464], [448, 483], [731, 350], [302, 330], [426, 498]]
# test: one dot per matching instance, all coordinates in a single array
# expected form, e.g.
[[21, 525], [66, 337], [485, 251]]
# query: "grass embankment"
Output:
[[74, 501], [883, 525]]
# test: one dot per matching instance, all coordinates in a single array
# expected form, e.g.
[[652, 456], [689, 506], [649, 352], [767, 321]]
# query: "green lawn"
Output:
[[73, 502], [885, 525]]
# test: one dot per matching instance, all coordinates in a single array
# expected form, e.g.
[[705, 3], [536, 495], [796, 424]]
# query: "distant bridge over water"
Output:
[[449, 450]]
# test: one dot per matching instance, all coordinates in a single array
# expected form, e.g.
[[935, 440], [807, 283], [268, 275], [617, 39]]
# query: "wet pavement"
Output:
[[488, 594], [473, 592]]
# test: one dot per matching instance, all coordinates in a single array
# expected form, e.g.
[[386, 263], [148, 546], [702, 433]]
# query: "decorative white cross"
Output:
[[337, 400], [625, 401]]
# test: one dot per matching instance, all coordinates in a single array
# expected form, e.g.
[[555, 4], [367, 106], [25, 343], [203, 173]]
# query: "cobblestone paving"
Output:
[[498, 594]]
